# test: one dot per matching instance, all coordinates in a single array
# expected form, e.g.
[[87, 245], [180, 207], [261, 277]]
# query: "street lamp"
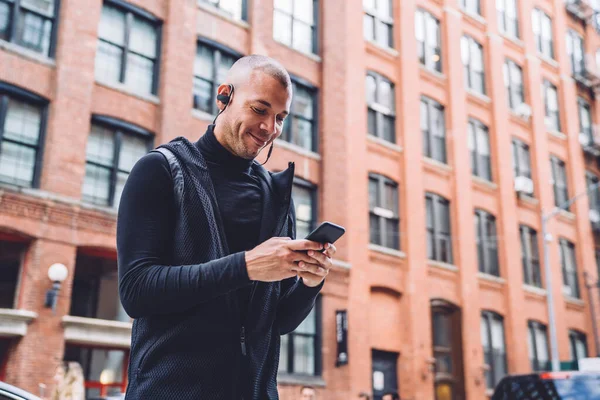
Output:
[[57, 274], [546, 238]]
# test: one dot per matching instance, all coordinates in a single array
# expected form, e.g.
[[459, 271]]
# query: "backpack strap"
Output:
[[176, 174]]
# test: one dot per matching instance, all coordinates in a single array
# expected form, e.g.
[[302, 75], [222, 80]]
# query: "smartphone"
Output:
[[327, 232]]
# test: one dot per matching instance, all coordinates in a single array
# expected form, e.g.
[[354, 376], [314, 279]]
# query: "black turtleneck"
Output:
[[237, 190]]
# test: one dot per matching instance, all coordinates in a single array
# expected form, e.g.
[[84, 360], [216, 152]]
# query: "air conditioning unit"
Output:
[[594, 216], [523, 110], [523, 185], [584, 139]]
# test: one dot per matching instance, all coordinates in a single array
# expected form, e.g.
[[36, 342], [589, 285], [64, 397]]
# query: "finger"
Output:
[[321, 258], [298, 256], [314, 269], [303, 244], [330, 249]]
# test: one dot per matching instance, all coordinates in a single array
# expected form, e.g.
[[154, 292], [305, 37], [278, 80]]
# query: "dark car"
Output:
[[550, 386], [9, 392]]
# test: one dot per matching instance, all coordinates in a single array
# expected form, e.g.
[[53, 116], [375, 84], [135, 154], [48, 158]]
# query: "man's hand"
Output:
[[281, 258], [313, 273]]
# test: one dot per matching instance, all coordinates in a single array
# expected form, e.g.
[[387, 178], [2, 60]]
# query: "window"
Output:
[[300, 127], [577, 345], [439, 236], [30, 24], [538, 346], [530, 256], [479, 146], [551, 106], [235, 9], [210, 69], [104, 370], [383, 211], [10, 271], [385, 373], [568, 262], [433, 129], [559, 182], [576, 53], [429, 40], [378, 22], [22, 128], [541, 24], [294, 24], [381, 115], [95, 291], [471, 6], [594, 194], [494, 348], [472, 58], [513, 80], [487, 245], [301, 349], [521, 159], [585, 121], [128, 48], [305, 199], [447, 351], [508, 21], [112, 150]]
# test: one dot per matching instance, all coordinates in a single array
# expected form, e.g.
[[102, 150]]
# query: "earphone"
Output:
[[224, 98]]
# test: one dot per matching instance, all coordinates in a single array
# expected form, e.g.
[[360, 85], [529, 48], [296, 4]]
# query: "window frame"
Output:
[[578, 69], [584, 106], [548, 113], [530, 256], [503, 18], [243, 5], [469, 71], [570, 272], [382, 180], [130, 12], [381, 110], [520, 148], [544, 45], [119, 129], [15, 11], [318, 337], [514, 93], [480, 167], [575, 335], [487, 317], [532, 327], [560, 187], [439, 204], [429, 51], [314, 28], [288, 134], [314, 198], [485, 246], [9, 91], [464, 5], [373, 13], [218, 51], [429, 148], [594, 195]]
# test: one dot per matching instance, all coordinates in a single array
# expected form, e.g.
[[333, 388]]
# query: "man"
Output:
[[208, 267], [391, 396], [308, 393]]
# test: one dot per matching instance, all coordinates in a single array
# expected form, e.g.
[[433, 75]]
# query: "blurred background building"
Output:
[[436, 131]]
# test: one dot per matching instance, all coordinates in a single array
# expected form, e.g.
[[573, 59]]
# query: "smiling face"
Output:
[[254, 116]]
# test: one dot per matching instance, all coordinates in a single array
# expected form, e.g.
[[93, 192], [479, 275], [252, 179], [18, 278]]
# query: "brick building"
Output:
[[411, 120]]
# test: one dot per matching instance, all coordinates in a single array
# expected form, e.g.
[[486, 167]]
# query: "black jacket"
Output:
[[191, 338]]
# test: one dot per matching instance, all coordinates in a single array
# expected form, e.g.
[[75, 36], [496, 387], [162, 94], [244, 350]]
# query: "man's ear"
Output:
[[224, 93]]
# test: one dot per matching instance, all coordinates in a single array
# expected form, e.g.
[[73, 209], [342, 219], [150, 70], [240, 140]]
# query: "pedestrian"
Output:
[[208, 264], [308, 393], [68, 382], [391, 396]]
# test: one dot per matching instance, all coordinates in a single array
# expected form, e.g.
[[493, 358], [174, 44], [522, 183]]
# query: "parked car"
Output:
[[9, 392], [566, 385]]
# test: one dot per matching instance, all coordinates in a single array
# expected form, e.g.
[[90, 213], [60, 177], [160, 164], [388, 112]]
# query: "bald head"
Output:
[[242, 70]]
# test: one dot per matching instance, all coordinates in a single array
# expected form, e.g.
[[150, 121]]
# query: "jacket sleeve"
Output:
[[145, 224], [296, 300]]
